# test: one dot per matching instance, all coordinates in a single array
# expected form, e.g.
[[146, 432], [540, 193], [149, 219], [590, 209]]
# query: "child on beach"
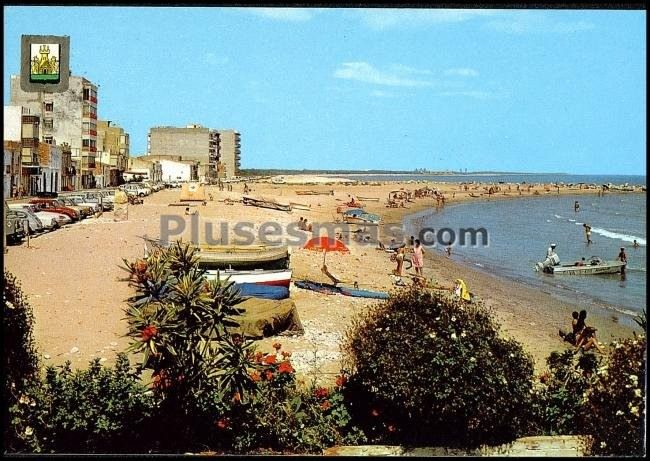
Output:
[[418, 257]]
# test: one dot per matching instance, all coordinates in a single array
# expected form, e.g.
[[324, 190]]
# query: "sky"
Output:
[[337, 88]]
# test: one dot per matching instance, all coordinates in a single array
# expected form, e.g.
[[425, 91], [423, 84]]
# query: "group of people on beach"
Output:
[[581, 335]]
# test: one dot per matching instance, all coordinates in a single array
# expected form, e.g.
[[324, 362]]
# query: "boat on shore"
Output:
[[368, 199], [278, 277], [265, 203], [357, 216], [299, 206], [243, 256], [327, 288], [314, 192], [594, 266]]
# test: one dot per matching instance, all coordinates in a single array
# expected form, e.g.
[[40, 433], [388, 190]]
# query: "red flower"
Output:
[[255, 376], [222, 423], [277, 346], [161, 379], [269, 359], [149, 332], [391, 428], [285, 367], [325, 405], [286, 354], [258, 357], [140, 266], [237, 397], [321, 393], [269, 375], [374, 412], [341, 380]]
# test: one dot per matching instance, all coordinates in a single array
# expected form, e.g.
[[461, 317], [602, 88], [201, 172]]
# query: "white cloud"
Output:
[[462, 72], [364, 72], [284, 14], [522, 22], [380, 19]]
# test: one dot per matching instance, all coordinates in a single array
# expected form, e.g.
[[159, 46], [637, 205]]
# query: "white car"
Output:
[[50, 220], [136, 189]]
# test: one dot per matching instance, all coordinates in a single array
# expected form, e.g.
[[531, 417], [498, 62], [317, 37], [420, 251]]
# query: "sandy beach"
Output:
[[72, 276]]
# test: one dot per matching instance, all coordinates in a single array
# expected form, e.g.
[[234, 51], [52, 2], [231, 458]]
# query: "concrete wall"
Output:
[[67, 111], [189, 143], [175, 171], [551, 446], [12, 123]]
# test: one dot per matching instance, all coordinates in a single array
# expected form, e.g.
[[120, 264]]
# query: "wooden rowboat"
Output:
[[265, 203], [368, 199], [280, 278], [241, 256]]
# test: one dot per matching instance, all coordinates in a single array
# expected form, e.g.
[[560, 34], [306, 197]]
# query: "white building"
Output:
[[178, 171]]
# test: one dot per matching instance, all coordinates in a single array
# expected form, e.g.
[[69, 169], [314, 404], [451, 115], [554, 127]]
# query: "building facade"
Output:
[[70, 117], [229, 153], [193, 142], [113, 150]]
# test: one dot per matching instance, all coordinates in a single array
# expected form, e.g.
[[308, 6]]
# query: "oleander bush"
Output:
[[428, 369], [614, 406]]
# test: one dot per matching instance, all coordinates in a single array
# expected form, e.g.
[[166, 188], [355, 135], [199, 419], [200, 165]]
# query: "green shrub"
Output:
[[20, 366], [429, 369], [614, 410], [558, 394]]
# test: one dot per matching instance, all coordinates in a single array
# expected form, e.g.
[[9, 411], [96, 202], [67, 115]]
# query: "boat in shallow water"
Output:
[[594, 266]]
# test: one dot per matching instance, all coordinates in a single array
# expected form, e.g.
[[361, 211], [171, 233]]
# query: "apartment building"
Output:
[[192, 142], [113, 152], [229, 153], [70, 117]]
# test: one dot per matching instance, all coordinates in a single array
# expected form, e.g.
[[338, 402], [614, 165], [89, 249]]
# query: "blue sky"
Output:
[[507, 90]]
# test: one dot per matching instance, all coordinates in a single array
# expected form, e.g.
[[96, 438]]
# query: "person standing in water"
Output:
[[587, 232], [576, 206]]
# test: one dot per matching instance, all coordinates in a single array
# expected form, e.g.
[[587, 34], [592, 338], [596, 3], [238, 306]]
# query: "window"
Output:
[[85, 142], [49, 106], [86, 94], [47, 139], [48, 123]]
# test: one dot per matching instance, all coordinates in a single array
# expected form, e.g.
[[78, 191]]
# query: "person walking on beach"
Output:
[[418, 257], [587, 232], [400, 262]]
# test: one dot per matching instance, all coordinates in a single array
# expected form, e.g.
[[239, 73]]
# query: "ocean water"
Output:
[[528, 178], [521, 230]]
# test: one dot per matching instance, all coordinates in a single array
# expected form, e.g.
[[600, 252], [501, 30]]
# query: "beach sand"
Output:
[[72, 277]]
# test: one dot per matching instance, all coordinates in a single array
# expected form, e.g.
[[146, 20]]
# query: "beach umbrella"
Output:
[[326, 244]]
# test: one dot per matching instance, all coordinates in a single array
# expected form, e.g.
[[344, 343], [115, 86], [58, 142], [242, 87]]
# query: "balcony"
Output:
[[29, 142]]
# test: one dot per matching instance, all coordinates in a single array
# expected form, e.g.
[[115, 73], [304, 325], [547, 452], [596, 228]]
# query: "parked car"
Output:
[[138, 189], [34, 224], [81, 200], [14, 227], [48, 204], [106, 201], [49, 219], [85, 210]]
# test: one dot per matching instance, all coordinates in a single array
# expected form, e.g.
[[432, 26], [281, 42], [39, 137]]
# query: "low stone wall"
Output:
[[552, 446]]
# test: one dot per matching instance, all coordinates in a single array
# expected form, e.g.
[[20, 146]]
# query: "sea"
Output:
[[512, 178], [520, 231]]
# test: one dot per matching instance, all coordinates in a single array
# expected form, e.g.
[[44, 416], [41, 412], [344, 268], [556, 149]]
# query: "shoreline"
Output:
[[71, 277]]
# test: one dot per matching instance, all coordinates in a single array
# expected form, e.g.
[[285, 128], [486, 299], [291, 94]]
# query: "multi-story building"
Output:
[[40, 165], [70, 117], [193, 142], [112, 150], [229, 153]]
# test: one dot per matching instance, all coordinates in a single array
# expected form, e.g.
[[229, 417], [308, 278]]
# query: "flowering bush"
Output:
[[282, 417], [558, 394], [614, 411], [429, 369], [20, 366]]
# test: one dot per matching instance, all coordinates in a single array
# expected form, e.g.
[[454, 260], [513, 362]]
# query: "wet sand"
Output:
[[71, 276]]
